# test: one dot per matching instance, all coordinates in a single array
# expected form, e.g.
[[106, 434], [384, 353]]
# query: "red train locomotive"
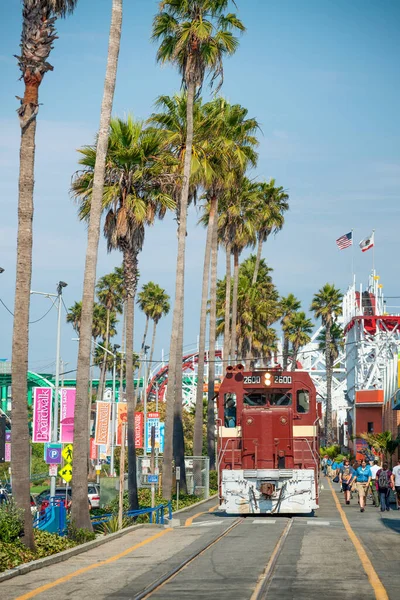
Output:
[[268, 452]]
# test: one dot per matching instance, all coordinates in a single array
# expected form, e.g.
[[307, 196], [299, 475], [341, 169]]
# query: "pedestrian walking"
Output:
[[396, 475], [346, 477], [363, 479], [384, 482], [323, 464], [329, 467], [375, 494]]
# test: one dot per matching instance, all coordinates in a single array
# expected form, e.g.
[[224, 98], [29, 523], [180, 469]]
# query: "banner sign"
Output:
[[41, 415], [8, 447], [103, 410], [122, 417], [93, 449], [153, 420], [139, 421], [67, 415]]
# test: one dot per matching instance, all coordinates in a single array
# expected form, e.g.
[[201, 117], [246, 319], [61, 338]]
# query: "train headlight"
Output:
[[267, 379]]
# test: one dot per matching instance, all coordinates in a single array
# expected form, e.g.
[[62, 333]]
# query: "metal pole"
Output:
[[145, 405], [152, 465], [57, 377], [113, 406], [121, 477]]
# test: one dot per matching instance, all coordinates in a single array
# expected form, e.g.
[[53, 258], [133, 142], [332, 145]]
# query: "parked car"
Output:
[[4, 496], [33, 505], [94, 495], [62, 495]]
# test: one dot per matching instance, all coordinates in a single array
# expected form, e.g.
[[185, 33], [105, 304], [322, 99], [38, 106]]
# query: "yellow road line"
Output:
[[190, 520], [112, 559], [214, 508], [376, 583]]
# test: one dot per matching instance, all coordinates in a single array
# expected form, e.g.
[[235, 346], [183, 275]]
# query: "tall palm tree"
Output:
[[144, 303], [298, 329], [160, 307], [135, 182], [237, 222], [38, 34], [273, 203], [195, 37], [288, 306], [110, 293], [327, 306], [337, 341]]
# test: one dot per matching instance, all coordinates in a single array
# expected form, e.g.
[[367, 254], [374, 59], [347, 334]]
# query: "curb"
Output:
[[181, 510], [66, 554]]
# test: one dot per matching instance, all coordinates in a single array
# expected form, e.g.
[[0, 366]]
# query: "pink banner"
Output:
[[8, 453], [67, 415], [41, 415]]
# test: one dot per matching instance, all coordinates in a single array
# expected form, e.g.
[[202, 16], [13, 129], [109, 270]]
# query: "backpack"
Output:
[[346, 473], [383, 480]]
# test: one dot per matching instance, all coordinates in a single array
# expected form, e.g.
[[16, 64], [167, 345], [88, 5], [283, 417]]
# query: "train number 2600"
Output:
[[283, 379]]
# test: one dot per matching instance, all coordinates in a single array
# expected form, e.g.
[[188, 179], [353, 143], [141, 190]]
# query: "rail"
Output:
[[157, 512]]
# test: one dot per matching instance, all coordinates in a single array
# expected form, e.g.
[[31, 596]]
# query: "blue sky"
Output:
[[322, 78]]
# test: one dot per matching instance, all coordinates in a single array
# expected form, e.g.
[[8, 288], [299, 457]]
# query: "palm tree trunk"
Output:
[[121, 373], [234, 303], [258, 260], [212, 342], [295, 351], [228, 291], [174, 390], [20, 342], [80, 508], [130, 276], [178, 435], [198, 418], [328, 415], [153, 343], [100, 389], [285, 352], [142, 356]]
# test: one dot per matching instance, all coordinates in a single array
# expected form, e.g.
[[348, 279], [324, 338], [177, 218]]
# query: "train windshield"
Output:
[[271, 398]]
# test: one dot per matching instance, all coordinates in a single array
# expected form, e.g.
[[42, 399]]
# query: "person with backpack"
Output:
[[384, 483], [396, 475], [346, 477], [375, 495], [363, 478], [329, 467]]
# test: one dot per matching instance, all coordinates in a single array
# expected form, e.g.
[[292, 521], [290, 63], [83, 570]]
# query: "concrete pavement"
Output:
[[323, 556]]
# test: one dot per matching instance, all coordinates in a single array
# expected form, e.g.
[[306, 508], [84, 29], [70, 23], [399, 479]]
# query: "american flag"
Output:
[[345, 241]]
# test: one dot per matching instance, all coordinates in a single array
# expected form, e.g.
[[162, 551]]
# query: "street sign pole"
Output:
[[177, 477], [152, 464], [121, 477]]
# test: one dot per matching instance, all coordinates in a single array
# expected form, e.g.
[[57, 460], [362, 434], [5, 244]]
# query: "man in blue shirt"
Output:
[[363, 478]]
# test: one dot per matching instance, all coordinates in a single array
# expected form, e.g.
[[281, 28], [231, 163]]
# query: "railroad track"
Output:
[[263, 582], [170, 575]]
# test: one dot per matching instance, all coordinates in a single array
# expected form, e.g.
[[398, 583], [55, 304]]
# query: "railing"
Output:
[[157, 511], [55, 514]]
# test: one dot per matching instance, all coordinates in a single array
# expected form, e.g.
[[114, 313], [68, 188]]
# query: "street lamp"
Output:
[[54, 436], [1, 270]]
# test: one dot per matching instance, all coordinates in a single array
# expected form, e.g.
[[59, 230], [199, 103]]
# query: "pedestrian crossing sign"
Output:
[[68, 453]]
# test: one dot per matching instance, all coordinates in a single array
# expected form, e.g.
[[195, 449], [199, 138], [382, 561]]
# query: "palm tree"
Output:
[[288, 306], [195, 37], [327, 305], [236, 223], [337, 342], [383, 443], [160, 307], [135, 182], [110, 293], [38, 35], [273, 203], [298, 329]]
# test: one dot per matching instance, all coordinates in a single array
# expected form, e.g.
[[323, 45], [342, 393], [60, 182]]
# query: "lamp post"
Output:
[[145, 399], [1, 270], [54, 435]]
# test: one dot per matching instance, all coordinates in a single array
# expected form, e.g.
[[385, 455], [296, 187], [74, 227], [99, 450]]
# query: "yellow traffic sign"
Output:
[[66, 473], [67, 453]]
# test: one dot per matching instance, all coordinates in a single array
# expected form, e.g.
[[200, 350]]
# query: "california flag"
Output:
[[367, 243]]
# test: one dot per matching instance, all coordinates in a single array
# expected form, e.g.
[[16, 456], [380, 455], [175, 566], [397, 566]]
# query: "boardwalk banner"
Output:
[[139, 423], [67, 415], [8, 447], [93, 449], [122, 417], [41, 431], [103, 410]]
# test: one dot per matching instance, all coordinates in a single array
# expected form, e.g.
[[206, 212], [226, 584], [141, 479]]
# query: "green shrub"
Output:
[[79, 535], [213, 482], [14, 554], [112, 525], [50, 543], [11, 522]]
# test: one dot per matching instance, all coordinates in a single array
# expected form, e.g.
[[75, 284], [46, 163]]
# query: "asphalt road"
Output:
[[321, 557]]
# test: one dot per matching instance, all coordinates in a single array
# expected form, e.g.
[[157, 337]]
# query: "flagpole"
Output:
[[373, 252], [352, 256]]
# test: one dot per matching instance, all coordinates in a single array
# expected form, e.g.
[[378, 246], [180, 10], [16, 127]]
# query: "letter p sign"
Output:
[[53, 454]]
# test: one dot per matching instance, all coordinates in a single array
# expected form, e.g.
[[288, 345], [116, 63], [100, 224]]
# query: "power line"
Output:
[[30, 322]]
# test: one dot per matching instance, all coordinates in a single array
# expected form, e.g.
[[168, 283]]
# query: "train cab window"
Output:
[[230, 410], [303, 401], [282, 398], [254, 399]]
